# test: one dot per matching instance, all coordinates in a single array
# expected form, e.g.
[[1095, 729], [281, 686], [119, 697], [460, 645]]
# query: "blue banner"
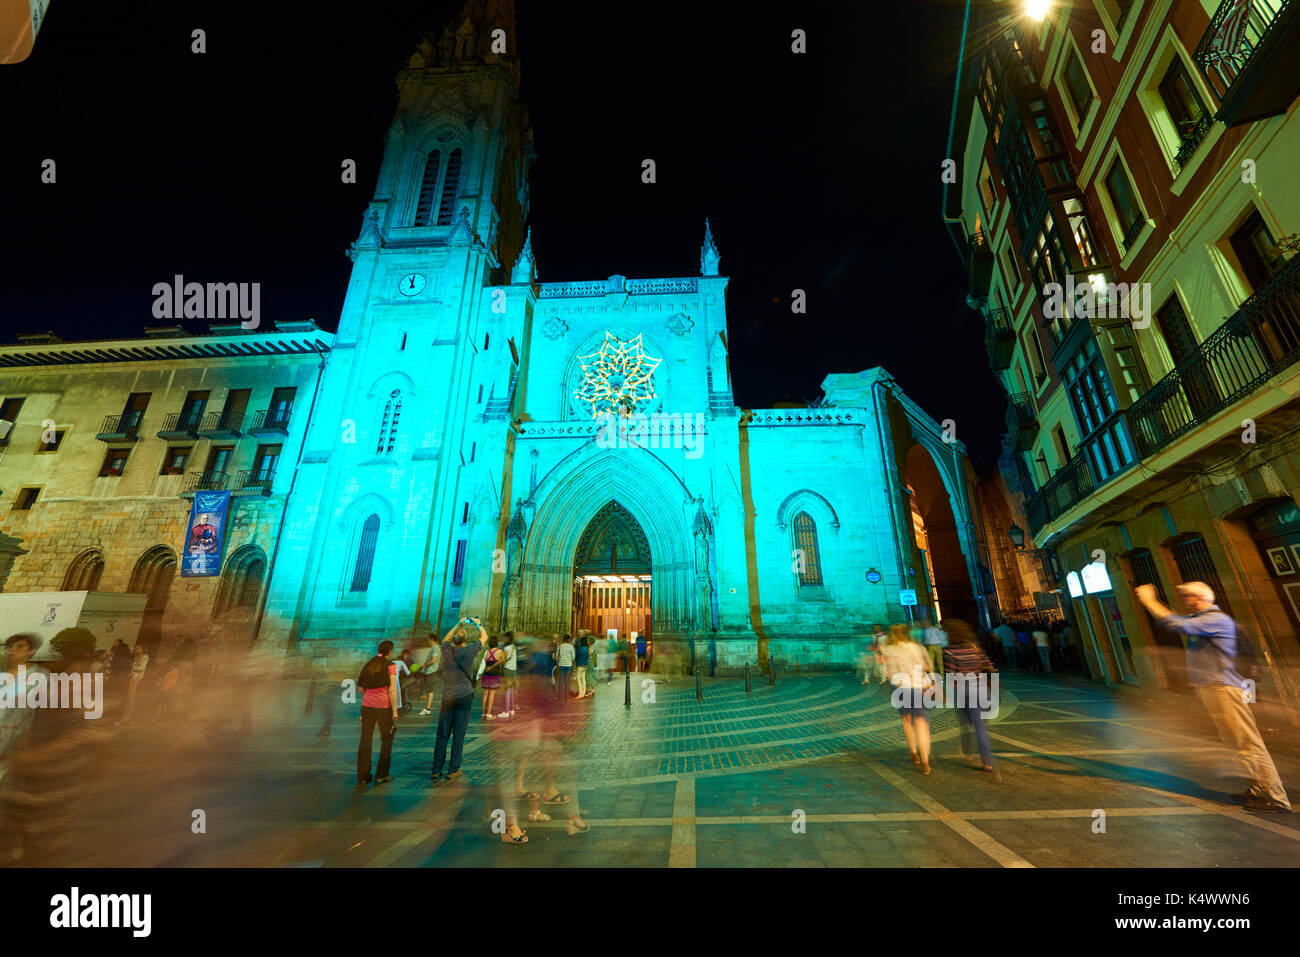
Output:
[[205, 536]]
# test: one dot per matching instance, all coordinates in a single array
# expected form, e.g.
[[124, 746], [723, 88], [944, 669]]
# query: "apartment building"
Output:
[[1128, 206], [107, 442]]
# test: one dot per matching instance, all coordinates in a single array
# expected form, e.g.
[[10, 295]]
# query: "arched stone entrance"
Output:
[[612, 578], [947, 562], [571, 497]]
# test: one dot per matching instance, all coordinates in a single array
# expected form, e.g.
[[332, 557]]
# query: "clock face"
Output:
[[412, 284]]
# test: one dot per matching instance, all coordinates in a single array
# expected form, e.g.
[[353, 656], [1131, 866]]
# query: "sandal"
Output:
[[527, 796], [508, 838], [556, 798], [581, 828], [537, 816]]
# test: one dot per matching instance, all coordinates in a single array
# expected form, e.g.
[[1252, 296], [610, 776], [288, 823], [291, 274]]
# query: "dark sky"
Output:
[[819, 171]]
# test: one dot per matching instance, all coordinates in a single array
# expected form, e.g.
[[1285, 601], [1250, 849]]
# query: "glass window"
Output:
[[114, 462], [1180, 97], [175, 460], [1257, 250], [1125, 202], [1076, 86], [365, 560], [56, 439], [805, 539]]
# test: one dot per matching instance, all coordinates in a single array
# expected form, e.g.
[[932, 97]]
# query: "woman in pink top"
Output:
[[378, 707]]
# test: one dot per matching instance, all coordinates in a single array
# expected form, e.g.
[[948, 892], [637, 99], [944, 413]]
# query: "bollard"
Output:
[[627, 688], [747, 690], [771, 672], [699, 691], [796, 666]]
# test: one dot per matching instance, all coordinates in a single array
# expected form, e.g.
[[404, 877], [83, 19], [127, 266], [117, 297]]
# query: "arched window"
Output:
[[241, 582], [84, 572], [805, 539], [429, 189], [388, 424], [365, 562], [450, 188]]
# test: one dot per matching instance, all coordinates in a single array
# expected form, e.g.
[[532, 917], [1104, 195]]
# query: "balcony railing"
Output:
[[180, 425], [1247, 57], [1000, 340], [120, 428], [269, 422], [209, 481], [1261, 340], [1022, 423], [225, 424], [252, 482]]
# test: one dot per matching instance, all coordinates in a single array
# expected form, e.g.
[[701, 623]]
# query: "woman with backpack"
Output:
[[378, 679]]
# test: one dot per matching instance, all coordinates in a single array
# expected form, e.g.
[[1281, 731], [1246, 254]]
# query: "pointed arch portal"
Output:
[[612, 575], [602, 507]]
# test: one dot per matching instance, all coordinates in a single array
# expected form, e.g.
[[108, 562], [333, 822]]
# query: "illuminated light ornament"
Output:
[[617, 377], [1037, 9]]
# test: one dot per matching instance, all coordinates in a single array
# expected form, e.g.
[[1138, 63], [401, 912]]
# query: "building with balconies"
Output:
[[109, 441], [1146, 152]]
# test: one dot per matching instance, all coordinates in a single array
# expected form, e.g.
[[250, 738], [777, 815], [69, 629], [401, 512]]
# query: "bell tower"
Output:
[[397, 466]]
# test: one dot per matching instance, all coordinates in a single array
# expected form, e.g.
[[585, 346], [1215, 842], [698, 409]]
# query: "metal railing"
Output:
[[181, 422], [278, 421], [999, 339], [1232, 38], [1261, 339], [226, 421], [209, 481], [127, 424], [249, 480], [1191, 137]]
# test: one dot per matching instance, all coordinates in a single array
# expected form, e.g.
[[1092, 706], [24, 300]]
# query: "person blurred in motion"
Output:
[[908, 667], [1212, 649], [1023, 642], [404, 681], [14, 722], [378, 679], [168, 685], [1043, 644], [490, 669], [509, 676], [139, 666], [879, 640], [590, 639], [428, 669], [935, 640], [458, 654], [963, 656], [581, 658], [564, 658], [1007, 635], [610, 658], [119, 678], [641, 650]]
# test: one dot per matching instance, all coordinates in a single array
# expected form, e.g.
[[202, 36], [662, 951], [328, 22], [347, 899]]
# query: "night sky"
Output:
[[818, 172]]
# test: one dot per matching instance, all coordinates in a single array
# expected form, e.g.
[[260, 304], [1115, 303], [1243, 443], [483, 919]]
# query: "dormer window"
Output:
[[438, 188]]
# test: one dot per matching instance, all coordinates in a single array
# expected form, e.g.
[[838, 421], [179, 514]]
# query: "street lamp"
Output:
[[1037, 9], [1017, 535]]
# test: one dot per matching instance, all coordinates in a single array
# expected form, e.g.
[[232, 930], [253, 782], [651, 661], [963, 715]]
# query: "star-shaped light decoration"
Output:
[[617, 377]]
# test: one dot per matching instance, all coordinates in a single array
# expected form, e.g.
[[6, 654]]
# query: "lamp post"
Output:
[[1017, 536]]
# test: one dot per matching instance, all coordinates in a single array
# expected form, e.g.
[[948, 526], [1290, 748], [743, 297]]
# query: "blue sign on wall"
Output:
[[205, 536], [907, 596]]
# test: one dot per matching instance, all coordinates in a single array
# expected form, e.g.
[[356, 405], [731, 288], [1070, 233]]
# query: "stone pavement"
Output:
[[718, 783]]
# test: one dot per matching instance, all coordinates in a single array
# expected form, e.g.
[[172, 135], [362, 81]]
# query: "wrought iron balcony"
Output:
[[181, 425], [209, 481], [269, 422], [1259, 341], [222, 425], [120, 428], [1000, 340], [1248, 57], [1193, 133], [250, 482], [1022, 422]]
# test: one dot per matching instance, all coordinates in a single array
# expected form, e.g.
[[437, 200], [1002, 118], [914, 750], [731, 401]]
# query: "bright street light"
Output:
[[1037, 9]]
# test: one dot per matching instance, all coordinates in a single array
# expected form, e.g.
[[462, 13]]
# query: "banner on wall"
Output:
[[205, 535]]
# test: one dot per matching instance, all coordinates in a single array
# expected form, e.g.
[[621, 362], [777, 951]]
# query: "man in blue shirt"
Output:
[[1211, 670]]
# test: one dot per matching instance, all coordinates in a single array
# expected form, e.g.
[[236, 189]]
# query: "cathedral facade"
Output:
[[474, 441], [549, 456]]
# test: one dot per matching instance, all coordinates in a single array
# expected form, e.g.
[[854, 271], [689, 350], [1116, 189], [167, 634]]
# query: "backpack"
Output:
[[495, 669], [374, 673]]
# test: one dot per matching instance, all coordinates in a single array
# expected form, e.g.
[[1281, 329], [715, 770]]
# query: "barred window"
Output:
[[388, 424], [805, 539], [458, 574], [365, 555], [429, 189]]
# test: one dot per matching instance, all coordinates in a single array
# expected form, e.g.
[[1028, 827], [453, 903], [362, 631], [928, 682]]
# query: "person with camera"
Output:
[[458, 654]]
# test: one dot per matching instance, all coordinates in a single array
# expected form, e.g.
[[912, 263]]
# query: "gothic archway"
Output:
[[612, 575], [571, 497], [152, 577], [944, 573]]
